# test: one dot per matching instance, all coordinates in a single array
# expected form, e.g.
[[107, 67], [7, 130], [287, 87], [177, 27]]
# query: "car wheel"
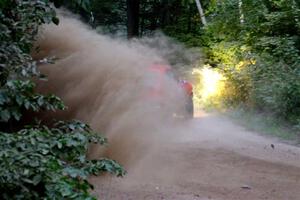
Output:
[[190, 107]]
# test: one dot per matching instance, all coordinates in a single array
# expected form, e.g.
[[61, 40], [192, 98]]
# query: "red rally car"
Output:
[[159, 73]]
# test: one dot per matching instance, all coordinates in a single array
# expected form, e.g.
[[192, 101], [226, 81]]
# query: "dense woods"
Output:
[[256, 44], [253, 44]]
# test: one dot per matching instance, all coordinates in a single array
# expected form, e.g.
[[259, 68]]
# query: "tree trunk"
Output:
[[189, 22], [154, 15], [164, 13], [296, 15], [142, 18], [133, 7], [203, 20], [242, 18]]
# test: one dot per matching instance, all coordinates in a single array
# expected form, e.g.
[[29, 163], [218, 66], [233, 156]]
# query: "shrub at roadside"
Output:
[[256, 47], [37, 161]]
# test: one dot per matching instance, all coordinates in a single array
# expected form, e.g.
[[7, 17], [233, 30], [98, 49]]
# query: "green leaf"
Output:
[[40, 101], [59, 144], [55, 20], [27, 104], [19, 100], [3, 98], [36, 179], [66, 191], [5, 115], [26, 172], [34, 163], [45, 151], [16, 114]]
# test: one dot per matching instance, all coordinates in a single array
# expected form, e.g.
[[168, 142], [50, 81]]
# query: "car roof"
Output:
[[160, 68]]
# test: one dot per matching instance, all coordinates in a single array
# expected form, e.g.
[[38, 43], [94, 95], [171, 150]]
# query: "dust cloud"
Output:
[[105, 82]]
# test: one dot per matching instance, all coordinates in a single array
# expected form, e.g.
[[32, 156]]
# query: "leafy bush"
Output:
[[41, 162], [37, 161], [259, 56]]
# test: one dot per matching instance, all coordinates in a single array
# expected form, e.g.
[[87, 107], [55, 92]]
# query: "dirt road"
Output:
[[210, 157]]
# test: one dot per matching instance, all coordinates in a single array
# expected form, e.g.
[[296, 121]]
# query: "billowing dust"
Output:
[[107, 83]]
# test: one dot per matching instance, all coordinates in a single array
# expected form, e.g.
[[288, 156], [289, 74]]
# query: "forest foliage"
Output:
[[255, 45], [38, 161]]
